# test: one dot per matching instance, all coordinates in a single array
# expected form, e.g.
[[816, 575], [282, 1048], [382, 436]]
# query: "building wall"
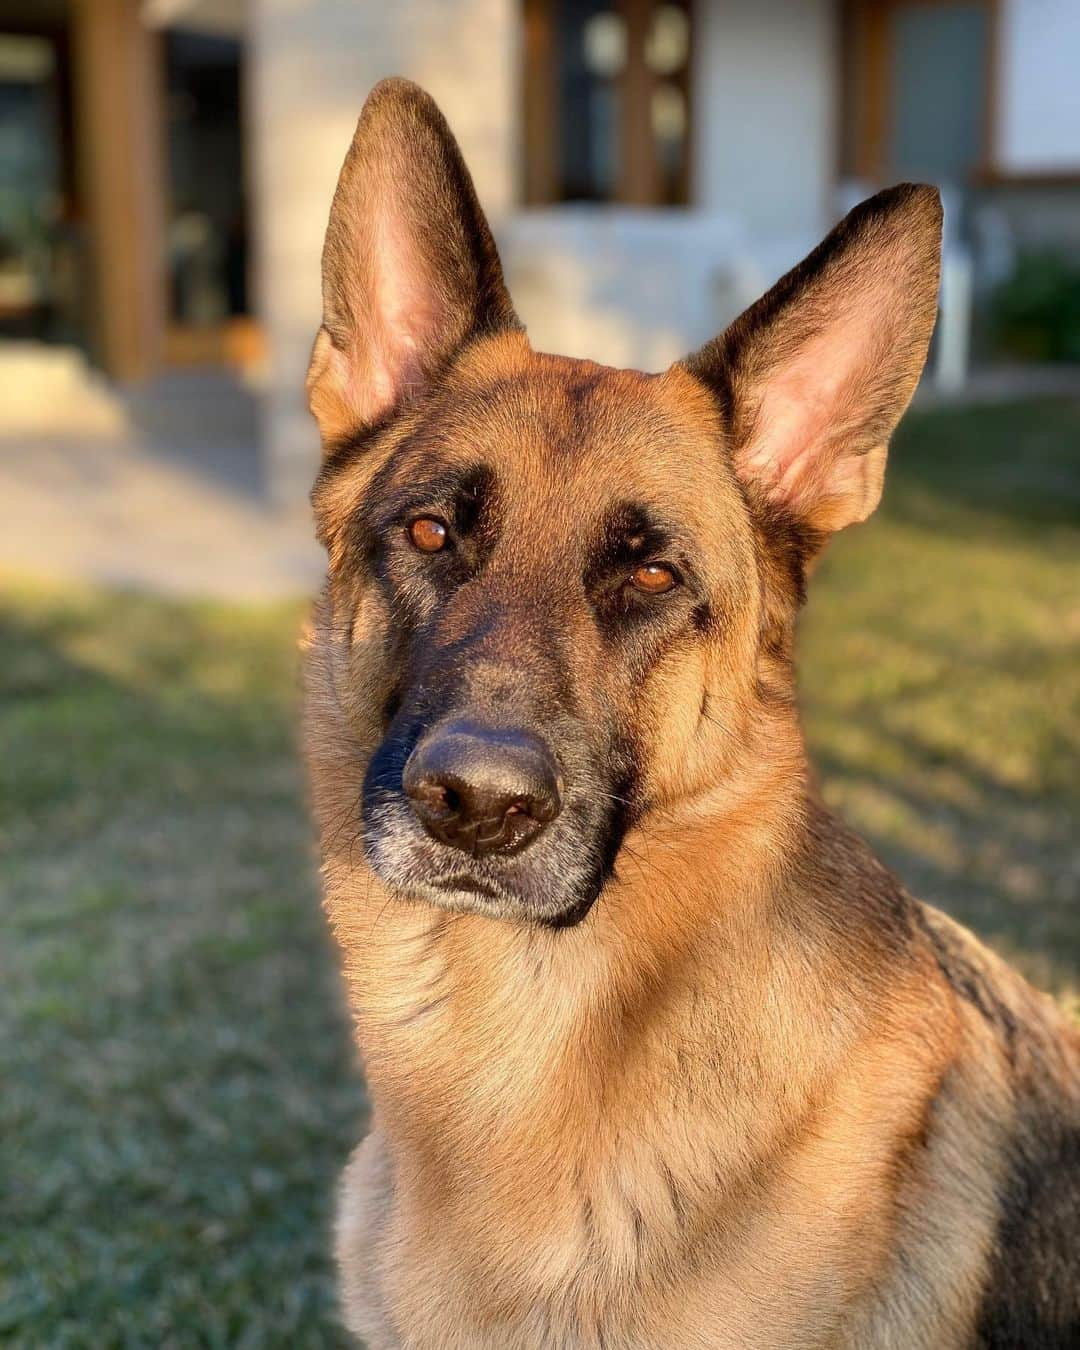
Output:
[[623, 286], [1038, 103], [639, 288], [626, 287], [765, 106], [311, 65]]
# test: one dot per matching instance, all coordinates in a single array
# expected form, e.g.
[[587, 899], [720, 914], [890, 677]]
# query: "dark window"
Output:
[[42, 281], [207, 238], [607, 100]]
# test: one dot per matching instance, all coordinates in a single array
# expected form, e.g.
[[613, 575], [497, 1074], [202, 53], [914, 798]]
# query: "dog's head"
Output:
[[562, 595]]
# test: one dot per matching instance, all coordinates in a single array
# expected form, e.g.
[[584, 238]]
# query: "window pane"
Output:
[[207, 235], [667, 59], [30, 187], [938, 91], [607, 98], [590, 47]]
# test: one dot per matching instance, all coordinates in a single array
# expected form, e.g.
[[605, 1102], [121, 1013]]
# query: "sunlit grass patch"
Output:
[[179, 1090], [941, 675]]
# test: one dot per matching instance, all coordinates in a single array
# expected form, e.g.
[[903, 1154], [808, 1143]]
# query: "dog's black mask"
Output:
[[506, 778], [490, 790]]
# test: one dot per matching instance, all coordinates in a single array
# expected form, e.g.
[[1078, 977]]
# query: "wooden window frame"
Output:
[[868, 95], [638, 179]]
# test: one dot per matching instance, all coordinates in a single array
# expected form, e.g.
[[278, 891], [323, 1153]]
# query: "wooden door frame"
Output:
[[120, 134]]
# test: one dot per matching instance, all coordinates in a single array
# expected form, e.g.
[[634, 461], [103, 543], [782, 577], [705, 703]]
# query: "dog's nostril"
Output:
[[434, 798]]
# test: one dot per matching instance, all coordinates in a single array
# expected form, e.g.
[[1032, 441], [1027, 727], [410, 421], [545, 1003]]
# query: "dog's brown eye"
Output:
[[427, 534], [653, 578]]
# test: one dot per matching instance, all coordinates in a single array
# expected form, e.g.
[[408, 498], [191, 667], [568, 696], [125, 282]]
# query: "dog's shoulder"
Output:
[[1031, 1295], [1021, 1090]]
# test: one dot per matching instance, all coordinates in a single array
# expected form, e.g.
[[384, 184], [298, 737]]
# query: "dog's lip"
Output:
[[497, 885], [465, 881]]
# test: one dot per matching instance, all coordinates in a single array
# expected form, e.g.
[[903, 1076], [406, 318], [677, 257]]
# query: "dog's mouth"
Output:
[[489, 819], [555, 881], [462, 881]]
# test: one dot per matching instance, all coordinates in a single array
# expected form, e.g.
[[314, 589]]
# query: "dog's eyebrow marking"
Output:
[[629, 534], [463, 493], [473, 501]]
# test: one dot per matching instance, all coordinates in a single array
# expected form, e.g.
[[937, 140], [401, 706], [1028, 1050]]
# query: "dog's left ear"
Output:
[[814, 377], [410, 270]]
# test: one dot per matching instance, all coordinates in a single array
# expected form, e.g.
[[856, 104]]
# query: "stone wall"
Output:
[[310, 66]]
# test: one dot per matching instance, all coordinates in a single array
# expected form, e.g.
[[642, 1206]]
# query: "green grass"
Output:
[[178, 1090], [941, 676]]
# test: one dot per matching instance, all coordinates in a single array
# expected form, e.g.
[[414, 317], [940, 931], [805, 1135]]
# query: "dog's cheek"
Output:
[[696, 709], [667, 722], [367, 660]]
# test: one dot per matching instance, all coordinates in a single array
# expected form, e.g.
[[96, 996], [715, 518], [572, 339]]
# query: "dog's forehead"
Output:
[[567, 405], [559, 442], [560, 421]]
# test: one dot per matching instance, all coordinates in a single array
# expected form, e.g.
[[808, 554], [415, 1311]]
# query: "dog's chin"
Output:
[[461, 897], [519, 889]]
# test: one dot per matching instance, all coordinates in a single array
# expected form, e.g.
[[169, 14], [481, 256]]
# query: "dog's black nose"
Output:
[[483, 790]]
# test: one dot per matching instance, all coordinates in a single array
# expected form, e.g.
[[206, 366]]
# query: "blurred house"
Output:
[[166, 165]]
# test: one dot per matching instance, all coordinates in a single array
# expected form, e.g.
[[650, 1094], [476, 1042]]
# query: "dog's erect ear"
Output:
[[814, 377], [410, 270]]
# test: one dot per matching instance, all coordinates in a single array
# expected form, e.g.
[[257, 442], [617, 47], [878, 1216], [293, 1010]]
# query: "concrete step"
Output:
[[51, 390], [195, 408]]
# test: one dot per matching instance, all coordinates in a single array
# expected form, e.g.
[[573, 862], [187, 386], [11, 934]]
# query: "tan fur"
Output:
[[756, 1097], [535, 1091]]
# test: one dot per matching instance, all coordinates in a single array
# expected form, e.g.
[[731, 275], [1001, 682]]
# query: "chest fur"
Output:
[[569, 1174]]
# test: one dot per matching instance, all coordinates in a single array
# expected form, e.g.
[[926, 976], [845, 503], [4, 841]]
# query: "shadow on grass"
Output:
[[941, 669], [1002, 861], [179, 1088], [1011, 465]]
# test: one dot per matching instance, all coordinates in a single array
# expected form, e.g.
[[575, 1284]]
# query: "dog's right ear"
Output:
[[814, 377], [410, 271]]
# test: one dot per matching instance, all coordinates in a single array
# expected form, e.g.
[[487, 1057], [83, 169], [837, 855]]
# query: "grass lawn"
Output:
[[178, 1087]]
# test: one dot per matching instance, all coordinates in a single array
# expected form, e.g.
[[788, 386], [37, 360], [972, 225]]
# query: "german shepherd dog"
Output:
[[660, 1056]]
